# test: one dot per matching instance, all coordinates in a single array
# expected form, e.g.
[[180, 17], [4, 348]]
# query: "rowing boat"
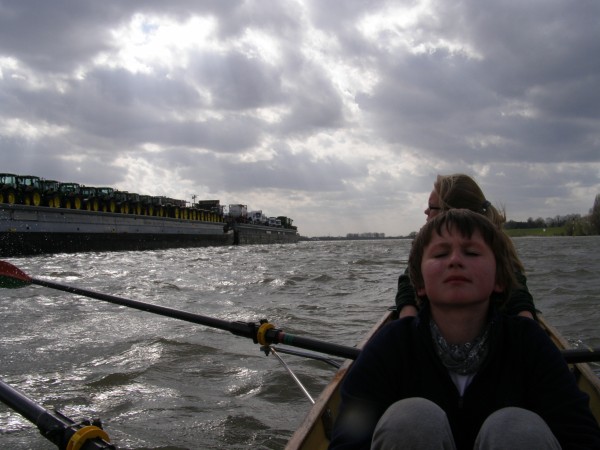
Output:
[[313, 432]]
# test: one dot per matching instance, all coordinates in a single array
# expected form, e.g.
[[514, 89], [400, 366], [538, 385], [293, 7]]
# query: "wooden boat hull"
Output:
[[587, 380], [314, 431]]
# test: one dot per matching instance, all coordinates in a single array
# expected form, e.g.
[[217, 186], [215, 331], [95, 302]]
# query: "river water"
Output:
[[161, 383]]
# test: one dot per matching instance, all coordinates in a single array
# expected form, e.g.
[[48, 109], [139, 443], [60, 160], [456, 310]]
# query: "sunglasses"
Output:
[[433, 208]]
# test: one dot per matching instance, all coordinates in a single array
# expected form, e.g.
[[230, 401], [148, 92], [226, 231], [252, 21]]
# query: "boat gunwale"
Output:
[[302, 436]]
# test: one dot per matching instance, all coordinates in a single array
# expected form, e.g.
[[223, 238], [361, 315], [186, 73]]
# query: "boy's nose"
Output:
[[455, 258]]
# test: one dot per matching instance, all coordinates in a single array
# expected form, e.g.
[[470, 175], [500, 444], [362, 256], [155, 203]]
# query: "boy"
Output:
[[460, 375]]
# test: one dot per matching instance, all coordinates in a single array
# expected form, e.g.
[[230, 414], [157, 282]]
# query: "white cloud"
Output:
[[339, 115]]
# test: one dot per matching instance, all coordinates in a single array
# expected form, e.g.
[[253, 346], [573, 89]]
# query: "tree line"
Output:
[[574, 224]]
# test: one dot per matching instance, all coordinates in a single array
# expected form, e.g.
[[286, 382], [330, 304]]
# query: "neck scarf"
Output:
[[464, 358]]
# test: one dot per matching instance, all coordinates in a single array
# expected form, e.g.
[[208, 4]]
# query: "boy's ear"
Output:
[[498, 288], [421, 292]]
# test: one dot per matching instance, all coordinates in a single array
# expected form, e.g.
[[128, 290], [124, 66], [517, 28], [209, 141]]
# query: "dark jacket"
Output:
[[523, 368], [520, 298]]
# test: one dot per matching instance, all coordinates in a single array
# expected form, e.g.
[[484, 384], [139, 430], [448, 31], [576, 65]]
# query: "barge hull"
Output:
[[30, 230], [246, 234], [26, 244]]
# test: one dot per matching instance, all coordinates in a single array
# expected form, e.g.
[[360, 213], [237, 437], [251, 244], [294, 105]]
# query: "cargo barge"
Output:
[[47, 216], [31, 230]]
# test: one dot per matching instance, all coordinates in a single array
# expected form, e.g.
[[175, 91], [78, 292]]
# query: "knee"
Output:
[[411, 411], [515, 428], [413, 421]]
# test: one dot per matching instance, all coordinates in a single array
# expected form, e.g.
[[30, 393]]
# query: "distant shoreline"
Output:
[[537, 232], [512, 232]]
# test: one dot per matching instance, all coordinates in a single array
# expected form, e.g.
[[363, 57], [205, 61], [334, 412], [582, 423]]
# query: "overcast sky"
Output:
[[338, 114]]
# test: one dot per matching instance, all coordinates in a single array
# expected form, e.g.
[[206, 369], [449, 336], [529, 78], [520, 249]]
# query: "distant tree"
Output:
[[557, 221], [539, 223], [595, 215], [579, 227]]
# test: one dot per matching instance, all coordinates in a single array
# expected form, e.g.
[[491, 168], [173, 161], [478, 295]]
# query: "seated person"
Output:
[[460, 191], [460, 374]]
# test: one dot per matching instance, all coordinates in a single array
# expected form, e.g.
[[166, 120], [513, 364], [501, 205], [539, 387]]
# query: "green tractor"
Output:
[[50, 193], [174, 207], [89, 198], [122, 201], [8, 188], [135, 203], [106, 199], [147, 205], [70, 197], [29, 190], [159, 204]]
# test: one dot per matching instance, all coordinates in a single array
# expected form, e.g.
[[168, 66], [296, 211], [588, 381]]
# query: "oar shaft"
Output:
[[248, 330], [238, 328]]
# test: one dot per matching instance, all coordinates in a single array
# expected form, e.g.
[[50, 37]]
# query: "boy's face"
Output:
[[458, 271]]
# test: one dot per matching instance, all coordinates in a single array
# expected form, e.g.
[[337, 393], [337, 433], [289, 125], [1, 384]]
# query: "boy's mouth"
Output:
[[456, 279]]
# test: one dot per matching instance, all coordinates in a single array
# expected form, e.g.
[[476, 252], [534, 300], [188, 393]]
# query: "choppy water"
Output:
[[160, 383]]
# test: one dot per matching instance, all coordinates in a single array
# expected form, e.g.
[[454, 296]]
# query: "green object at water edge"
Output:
[[11, 283], [12, 277]]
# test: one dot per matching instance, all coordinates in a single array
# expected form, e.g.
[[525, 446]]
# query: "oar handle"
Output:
[[22, 404], [575, 356], [58, 429], [343, 351]]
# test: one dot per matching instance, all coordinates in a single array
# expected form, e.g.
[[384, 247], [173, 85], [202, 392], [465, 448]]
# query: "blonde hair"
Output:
[[460, 191]]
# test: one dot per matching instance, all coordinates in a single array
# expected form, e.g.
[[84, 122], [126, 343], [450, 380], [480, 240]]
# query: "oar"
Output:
[[263, 333], [56, 427]]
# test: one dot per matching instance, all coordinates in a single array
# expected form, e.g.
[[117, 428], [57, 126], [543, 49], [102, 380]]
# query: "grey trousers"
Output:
[[419, 424]]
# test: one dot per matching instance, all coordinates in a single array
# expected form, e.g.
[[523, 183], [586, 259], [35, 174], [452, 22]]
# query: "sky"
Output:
[[338, 114]]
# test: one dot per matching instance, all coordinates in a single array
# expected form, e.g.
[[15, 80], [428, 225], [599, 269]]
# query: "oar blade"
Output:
[[12, 277]]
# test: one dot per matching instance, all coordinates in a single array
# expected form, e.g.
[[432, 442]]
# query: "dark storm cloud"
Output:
[[46, 36], [236, 81], [440, 100], [294, 171], [314, 104]]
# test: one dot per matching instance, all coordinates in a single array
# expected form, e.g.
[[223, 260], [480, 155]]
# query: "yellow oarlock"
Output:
[[84, 434], [262, 330]]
